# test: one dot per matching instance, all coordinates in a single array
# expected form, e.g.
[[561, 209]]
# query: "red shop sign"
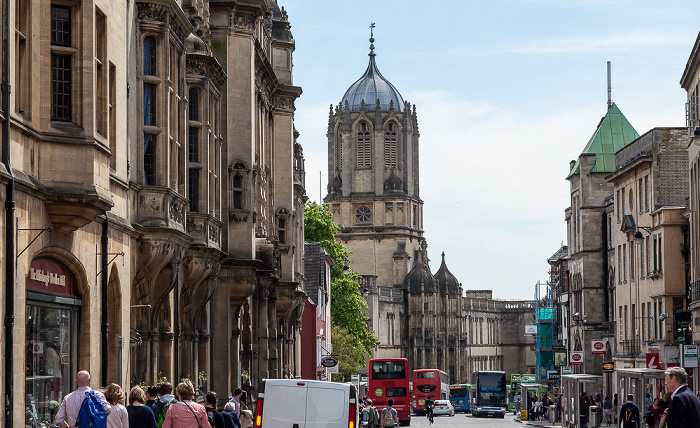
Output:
[[50, 276], [576, 358]]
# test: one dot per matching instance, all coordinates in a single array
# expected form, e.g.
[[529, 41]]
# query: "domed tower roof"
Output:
[[372, 86], [447, 282], [420, 279]]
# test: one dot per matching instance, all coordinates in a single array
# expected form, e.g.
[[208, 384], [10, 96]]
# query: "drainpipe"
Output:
[[10, 262], [105, 301]]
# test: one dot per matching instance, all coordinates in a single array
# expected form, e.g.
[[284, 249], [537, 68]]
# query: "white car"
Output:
[[443, 407]]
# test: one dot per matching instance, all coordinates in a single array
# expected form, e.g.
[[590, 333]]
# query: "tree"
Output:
[[350, 354], [347, 304]]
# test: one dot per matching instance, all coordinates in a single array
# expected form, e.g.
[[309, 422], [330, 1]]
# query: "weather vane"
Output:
[[371, 37]]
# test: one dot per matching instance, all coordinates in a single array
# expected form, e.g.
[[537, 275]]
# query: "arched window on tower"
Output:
[[364, 147], [390, 145]]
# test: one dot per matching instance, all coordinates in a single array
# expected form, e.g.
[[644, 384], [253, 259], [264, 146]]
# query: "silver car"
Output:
[[443, 407]]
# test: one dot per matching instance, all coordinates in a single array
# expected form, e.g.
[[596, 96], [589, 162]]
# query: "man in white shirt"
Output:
[[70, 407]]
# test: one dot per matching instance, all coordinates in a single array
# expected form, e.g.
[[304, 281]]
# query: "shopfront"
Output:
[[52, 320]]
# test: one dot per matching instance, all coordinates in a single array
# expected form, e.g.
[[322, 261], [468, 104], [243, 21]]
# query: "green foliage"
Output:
[[349, 352], [347, 304]]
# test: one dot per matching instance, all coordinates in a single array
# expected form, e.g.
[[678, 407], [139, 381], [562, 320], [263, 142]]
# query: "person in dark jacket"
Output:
[[230, 416], [684, 410], [629, 414], [216, 420]]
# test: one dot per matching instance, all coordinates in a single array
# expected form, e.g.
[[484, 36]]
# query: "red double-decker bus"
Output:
[[388, 378], [429, 383]]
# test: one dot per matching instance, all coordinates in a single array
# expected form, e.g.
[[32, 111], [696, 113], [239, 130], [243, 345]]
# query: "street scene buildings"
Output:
[[154, 185]]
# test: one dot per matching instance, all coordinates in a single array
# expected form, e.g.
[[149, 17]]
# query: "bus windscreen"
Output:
[[492, 389], [458, 391], [388, 370]]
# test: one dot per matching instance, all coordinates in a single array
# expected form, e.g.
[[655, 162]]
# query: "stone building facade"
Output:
[[374, 194], [156, 140], [589, 297], [647, 234]]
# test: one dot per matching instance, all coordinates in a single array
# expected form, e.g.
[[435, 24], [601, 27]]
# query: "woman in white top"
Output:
[[538, 409], [118, 417]]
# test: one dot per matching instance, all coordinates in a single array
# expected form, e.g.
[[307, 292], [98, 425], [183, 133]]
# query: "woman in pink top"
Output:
[[186, 413], [118, 417]]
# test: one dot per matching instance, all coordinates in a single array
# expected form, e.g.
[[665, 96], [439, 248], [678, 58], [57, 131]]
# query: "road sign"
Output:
[[355, 377], [690, 356], [653, 360]]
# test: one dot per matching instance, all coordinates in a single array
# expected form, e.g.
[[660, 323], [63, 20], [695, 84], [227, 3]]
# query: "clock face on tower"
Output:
[[363, 214]]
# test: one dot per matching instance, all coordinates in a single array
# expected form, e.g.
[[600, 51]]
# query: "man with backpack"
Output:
[[390, 418], [629, 414], [72, 403], [160, 407], [370, 416]]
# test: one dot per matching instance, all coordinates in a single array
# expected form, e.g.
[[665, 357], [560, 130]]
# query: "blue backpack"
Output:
[[92, 413]]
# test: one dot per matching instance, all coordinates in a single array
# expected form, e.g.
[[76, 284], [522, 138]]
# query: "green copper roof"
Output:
[[613, 133]]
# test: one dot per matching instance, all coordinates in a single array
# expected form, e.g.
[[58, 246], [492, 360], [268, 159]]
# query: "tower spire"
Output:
[[609, 88], [371, 38]]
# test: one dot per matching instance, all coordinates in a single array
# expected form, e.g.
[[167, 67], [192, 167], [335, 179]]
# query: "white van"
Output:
[[301, 403]]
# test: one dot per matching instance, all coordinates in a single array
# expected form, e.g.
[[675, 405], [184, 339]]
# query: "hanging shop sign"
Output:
[[608, 367], [576, 358], [329, 362], [598, 346]]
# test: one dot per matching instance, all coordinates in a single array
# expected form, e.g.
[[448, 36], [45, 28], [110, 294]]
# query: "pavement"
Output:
[[535, 423]]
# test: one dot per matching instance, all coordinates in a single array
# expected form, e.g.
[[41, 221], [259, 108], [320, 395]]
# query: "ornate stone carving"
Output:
[[151, 12], [284, 103], [243, 21], [177, 212]]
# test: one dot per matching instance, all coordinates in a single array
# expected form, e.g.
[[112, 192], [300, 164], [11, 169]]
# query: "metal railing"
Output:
[[694, 292]]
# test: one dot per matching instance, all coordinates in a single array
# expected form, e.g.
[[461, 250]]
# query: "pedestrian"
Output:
[[231, 419], [186, 413], [236, 399], [698, 395], [654, 412], [216, 420], [629, 414], [140, 415], [538, 409], [160, 407], [119, 417], [684, 409], [584, 404], [151, 395], [607, 410], [615, 408], [246, 418], [517, 405], [389, 418], [373, 414], [243, 401], [70, 407]]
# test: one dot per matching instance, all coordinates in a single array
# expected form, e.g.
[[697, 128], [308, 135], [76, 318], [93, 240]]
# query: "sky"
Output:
[[507, 93]]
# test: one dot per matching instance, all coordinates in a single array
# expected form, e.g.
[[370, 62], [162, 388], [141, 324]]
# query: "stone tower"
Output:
[[373, 192]]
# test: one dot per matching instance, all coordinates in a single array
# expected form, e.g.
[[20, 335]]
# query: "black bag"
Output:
[[649, 419]]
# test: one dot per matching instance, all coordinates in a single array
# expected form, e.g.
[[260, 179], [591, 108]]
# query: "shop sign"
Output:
[[553, 375], [598, 346], [565, 370], [329, 361], [38, 349], [556, 390], [653, 360], [531, 329], [690, 356], [334, 369], [355, 377], [608, 367], [559, 358], [528, 378], [576, 358], [50, 276]]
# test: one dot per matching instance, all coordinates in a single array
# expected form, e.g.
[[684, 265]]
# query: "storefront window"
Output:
[[51, 339]]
